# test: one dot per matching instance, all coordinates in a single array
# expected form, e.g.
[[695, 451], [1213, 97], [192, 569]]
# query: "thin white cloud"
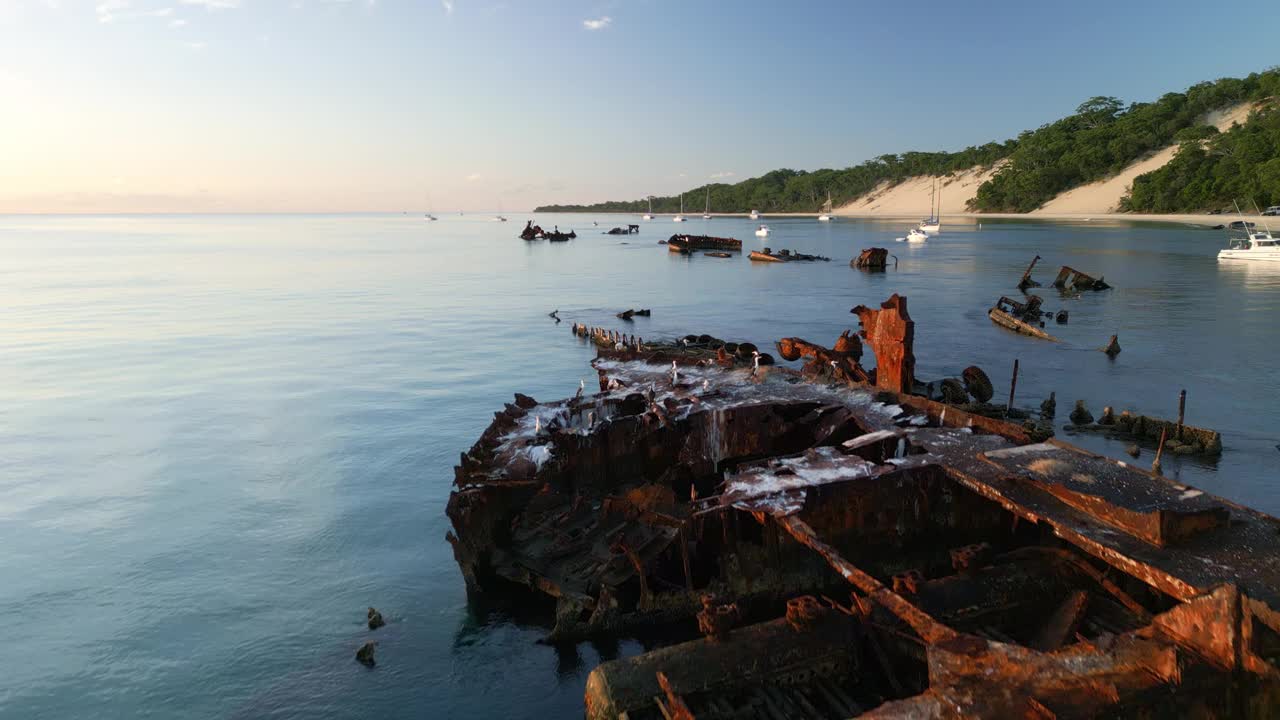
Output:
[[107, 10], [197, 45], [473, 177], [448, 6], [599, 23], [212, 5], [177, 23], [722, 174]]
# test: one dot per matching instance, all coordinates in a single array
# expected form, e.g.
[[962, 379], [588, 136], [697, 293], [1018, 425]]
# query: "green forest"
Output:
[[1100, 139]]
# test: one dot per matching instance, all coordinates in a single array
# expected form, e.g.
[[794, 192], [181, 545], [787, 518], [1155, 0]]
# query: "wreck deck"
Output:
[[986, 576]]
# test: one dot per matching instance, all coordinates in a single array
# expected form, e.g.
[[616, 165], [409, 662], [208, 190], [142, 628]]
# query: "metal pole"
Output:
[[1013, 385], [1182, 410]]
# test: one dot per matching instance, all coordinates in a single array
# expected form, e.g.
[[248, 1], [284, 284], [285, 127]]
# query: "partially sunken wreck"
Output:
[[846, 548]]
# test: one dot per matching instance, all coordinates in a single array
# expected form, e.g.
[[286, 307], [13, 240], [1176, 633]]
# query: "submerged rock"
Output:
[[364, 655], [1133, 450], [1081, 415], [375, 619]]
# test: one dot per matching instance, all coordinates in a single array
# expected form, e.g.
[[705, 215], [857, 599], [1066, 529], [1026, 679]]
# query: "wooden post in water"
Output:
[[1013, 385], [1155, 464], [1182, 409]]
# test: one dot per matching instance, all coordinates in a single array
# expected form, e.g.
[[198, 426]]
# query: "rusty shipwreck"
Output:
[[845, 548]]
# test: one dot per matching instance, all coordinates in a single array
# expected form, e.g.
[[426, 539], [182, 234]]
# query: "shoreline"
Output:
[[974, 218]]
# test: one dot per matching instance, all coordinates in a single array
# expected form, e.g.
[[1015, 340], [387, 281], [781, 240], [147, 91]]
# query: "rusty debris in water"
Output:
[[840, 545]]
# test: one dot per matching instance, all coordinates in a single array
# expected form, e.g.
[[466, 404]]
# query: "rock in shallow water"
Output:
[[375, 619], [1081, 415], [365, 655]]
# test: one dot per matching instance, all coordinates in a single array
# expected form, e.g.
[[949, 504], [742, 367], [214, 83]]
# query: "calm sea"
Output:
[[223, 437]]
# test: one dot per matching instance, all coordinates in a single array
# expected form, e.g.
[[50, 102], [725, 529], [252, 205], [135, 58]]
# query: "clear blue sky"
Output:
[[331, 105]]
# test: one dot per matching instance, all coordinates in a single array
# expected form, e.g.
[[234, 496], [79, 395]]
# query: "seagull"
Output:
[[755, 361], [582, 385]]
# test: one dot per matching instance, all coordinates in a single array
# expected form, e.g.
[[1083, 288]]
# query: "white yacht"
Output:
[[755, 214], [706, 210], [932, 225], [649, 215], [680, 217], [762, 231], [826, 210]]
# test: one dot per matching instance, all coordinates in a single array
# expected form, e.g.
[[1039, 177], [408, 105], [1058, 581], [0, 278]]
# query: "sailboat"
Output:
[[933, 224], [706, 211], [649, 215], [826, 210], [680, 217]]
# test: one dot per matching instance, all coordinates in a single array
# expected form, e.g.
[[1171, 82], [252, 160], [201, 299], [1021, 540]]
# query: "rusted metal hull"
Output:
[[854, 551], [686, 243], [1005, 320]]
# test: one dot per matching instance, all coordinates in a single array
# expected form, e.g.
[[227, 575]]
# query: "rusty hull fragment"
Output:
[[850, 551]]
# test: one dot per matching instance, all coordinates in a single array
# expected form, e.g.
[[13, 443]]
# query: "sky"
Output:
[[386, 105]]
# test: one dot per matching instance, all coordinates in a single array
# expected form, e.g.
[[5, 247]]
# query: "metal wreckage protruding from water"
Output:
[[849, 549]]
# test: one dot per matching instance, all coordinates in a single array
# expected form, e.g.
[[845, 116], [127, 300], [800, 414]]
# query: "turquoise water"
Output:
[[223, 437]]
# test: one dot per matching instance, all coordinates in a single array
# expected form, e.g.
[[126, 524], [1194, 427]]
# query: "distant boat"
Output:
[[649, 215], [429, 216], [826, 210], [680, 217], [754, 215], [932, 225], [914, 235], [1256, 246], [706, 211], [499, 217], [762, 231]]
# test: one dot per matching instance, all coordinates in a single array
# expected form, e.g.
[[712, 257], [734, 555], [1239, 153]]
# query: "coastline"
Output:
[[974, 218]]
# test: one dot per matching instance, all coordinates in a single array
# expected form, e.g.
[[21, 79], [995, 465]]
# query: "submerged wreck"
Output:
[[1020, 317], [849, 549], [687, 243], [768, 255]]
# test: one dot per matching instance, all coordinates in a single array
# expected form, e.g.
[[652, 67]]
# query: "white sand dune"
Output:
[[910, 198], [1104, 196]]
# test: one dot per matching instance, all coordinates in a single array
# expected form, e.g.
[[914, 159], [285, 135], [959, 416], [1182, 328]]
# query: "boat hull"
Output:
[[1005, 320], [1266, 256], [685, 243]]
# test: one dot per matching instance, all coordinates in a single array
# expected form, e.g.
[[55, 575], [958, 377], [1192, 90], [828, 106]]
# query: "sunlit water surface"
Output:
[[221, 438]]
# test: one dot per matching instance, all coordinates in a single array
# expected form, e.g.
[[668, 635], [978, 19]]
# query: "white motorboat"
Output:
[[680, 217], [706, 210], [649, 215], [762, 231], [1257, 246], [754, 215], [826, 210], [914, 235]]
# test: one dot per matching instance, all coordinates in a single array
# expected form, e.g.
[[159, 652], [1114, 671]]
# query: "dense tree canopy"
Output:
[[1099, 140], [1242, 164]]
